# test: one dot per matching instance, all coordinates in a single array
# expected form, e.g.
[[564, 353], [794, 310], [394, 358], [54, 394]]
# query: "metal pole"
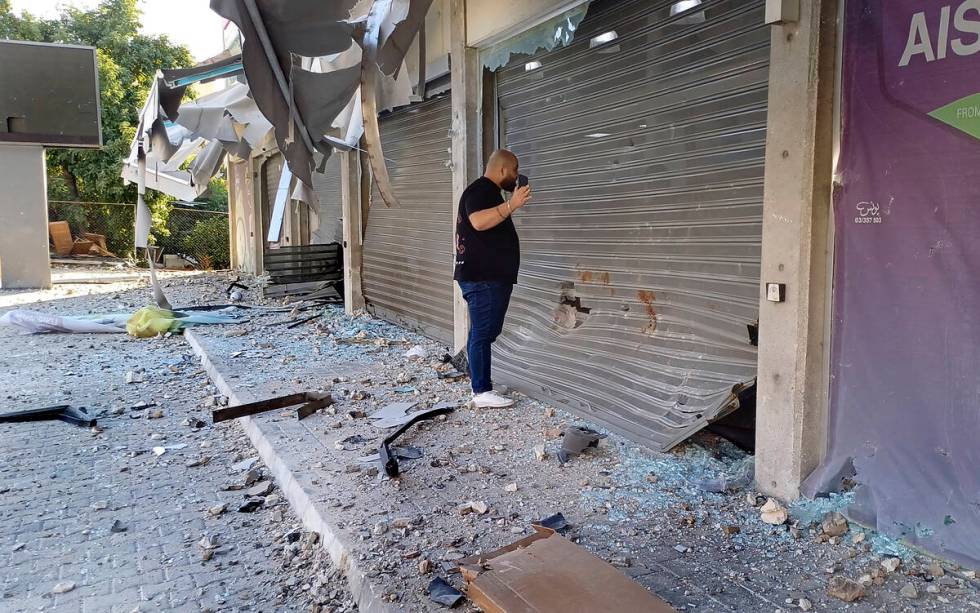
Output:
[[270, 54]]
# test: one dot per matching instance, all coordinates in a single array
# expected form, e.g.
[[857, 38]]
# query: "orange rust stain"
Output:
[[647, 298], [585, 276], [604, 278]]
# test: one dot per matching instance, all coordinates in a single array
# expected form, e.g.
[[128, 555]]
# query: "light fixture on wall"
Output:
[[684, 6], [602, 39], [532, 66]]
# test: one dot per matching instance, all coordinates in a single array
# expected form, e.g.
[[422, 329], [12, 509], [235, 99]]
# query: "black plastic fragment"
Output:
[[556, 522], [443, 593]]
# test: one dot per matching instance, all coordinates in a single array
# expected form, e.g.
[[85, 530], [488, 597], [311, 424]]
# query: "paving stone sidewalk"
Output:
[[96, 521]]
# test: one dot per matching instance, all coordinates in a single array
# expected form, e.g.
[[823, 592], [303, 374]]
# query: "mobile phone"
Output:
[[522, 180]]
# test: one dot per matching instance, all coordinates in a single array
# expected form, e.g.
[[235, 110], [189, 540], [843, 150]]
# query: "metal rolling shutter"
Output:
[[327, 187], [408, 256], [641, 247]]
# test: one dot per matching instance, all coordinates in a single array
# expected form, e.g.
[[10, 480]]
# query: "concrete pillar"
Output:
[[794, 352], [24, 259], [350, 181], [465, 78]]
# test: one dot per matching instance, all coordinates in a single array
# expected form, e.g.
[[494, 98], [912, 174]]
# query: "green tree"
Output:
[[128, 62], [216, 198]]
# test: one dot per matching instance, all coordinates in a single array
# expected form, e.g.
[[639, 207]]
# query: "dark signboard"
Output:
[[49, 95]]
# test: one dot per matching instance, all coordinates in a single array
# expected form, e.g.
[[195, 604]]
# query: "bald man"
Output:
[[488, 256]]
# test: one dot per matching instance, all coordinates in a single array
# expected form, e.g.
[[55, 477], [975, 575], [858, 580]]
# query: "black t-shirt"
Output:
[[490, 255]]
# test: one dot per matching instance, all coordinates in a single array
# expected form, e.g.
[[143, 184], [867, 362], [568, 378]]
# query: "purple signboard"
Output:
[[905, 387]]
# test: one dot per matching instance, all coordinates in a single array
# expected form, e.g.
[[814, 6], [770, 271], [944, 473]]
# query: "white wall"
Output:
[[24, 261]]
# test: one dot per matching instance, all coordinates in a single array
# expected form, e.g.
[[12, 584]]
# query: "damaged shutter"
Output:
[[644, 140], [330, 212], [408, 259]]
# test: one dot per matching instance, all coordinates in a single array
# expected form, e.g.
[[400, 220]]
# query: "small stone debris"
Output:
[[731, 530], [134, 376], [262, 488], [804, 604], [834, 524], [540, 454], [510, 487], [401, 523], [252, 476], [752, 499], [858, 538], [100, 505], [773, 513], [479, 507], [18, 546], [199, 461], [246, 464], [251, 505], [64, 587], [549, 412], [891, 564], [936, 569], [681, 548], [425, 566], [909, 591], [155, 414], [207, 544], [842, 588], [117, 527]]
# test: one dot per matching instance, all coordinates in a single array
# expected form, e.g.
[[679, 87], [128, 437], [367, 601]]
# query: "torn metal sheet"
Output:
[[546, 572], [303, 99], [387, 457], [392, 415], [279, 205], [370, 76], [575, 440], [78, 416], [640, 256], [402, 453]]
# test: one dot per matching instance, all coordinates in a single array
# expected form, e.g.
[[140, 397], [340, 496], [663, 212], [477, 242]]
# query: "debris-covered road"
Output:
[[685, 524], [140, 513]]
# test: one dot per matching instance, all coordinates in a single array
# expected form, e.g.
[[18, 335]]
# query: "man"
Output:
[[488, 255]]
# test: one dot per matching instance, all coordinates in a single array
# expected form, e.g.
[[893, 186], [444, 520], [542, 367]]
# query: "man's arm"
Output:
[[494, 216]]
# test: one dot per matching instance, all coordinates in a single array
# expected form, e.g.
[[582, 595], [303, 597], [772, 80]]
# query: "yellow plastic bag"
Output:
[[151, 321]]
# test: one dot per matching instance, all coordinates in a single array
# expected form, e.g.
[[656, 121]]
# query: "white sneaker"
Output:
[[491, 400]]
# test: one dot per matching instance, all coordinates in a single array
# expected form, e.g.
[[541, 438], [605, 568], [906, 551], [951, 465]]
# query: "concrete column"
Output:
[[465, 80], [350, 181], [24, 259], [794, 354]]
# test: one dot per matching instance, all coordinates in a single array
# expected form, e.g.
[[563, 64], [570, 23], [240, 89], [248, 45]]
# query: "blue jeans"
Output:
[[487, 303]]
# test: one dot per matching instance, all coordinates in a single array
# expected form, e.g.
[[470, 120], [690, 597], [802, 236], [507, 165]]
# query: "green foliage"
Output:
[[128, 62], [208, 243], [216, 198]]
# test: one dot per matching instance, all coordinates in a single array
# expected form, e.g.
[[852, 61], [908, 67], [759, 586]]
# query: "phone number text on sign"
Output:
[[868, 213]]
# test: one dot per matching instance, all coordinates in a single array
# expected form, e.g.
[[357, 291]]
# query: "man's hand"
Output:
[[491, 218], [520, 197]]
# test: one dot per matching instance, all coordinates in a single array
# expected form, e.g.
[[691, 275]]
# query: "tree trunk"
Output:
[[72, 182]]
